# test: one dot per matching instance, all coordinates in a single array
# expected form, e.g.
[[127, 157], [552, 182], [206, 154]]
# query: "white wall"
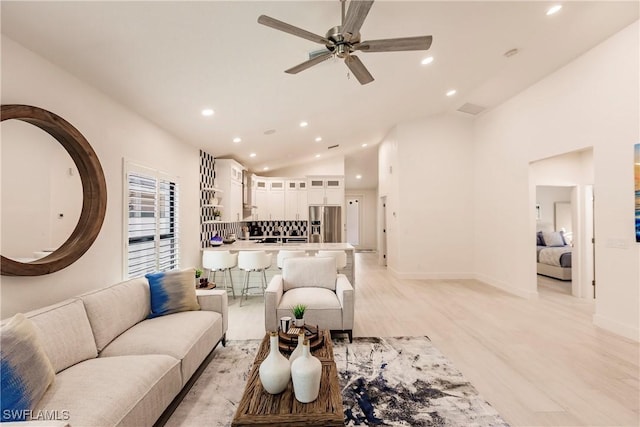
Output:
[[114, 132], [591, 102], [546, 198], [389, 189], [430, 223]]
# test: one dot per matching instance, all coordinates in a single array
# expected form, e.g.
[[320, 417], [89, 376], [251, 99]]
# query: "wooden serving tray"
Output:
[[288, 341]]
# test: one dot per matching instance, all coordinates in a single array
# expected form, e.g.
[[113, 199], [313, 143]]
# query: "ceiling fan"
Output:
[[343, 40]]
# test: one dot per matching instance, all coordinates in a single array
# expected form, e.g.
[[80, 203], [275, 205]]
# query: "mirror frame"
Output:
[[94, 192]]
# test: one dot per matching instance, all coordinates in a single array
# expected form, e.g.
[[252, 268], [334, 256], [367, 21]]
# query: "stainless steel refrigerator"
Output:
[[325, 224]]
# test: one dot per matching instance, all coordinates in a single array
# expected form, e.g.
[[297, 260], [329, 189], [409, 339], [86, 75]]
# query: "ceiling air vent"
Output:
[[472, 109], [333, 146]]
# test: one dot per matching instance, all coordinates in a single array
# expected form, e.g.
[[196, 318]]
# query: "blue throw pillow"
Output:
[[172, 292], [25, 370]]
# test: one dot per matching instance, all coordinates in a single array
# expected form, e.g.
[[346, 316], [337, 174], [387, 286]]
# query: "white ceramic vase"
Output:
[[297, 352], [275, 370], [305, 373], [299, 323]]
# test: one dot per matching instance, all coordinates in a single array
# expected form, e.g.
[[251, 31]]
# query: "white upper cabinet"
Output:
[[325, 190], [229, 180], [295, 197]]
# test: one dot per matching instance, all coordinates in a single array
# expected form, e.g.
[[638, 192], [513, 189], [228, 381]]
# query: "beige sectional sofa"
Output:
[[116, 367]]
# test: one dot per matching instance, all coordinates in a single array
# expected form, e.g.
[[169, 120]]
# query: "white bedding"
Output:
[[551, 255]]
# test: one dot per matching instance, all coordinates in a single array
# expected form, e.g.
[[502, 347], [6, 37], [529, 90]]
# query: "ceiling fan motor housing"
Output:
[[342, 46]]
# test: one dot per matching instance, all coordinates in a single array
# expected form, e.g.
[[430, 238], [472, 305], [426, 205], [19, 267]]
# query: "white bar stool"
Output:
[[223, 261], [249, 261], [282, 255], [340, 256]]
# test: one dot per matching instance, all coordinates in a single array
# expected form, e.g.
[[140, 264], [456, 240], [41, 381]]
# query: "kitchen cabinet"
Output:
[[296, 206], [229, 180], [327, 190], [276, 199]]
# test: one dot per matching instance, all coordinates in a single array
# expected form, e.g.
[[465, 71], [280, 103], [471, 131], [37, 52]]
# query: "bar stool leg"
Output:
[[233, 291], [245, 288]]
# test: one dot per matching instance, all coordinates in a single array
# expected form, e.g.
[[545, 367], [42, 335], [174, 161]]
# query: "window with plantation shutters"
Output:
[[152, 223]]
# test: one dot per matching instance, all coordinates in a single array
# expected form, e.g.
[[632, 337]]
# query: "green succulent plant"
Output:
[[298, 310], [198, 272]]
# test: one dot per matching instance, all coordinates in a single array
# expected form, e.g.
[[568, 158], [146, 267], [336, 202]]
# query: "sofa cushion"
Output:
[[188, 336], [65, 333], [115, 391], [172, 292], [317, 272], [115, 309], [323, 306], [25, 369]]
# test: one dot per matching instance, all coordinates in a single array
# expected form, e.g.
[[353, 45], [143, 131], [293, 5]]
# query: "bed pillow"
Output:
[[26, 371], [553, 238], [172, 292], [540, 239]]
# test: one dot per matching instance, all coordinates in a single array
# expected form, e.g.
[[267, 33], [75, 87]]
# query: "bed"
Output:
[[553, 255]]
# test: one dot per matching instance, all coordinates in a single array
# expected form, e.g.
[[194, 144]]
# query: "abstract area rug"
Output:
[[384, 381]]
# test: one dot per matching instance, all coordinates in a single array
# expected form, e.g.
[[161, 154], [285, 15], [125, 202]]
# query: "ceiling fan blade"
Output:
[[309, 63], [356, 14], [358, 69], [394, 45], [288, 28]]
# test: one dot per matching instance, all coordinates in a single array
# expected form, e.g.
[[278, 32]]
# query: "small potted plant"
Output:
[[216, 214], [298, 313]]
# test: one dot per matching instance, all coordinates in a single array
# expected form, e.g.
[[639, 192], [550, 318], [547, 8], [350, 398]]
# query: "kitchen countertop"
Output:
[[252, 245]]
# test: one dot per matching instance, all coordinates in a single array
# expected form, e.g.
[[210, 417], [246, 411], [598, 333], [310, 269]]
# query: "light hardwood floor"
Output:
[[539, 362]]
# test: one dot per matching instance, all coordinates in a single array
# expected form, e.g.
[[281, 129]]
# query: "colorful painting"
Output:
[[637, 170]]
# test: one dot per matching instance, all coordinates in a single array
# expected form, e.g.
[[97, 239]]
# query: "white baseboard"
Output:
[[431, 276], [616, 327], [505, 287]]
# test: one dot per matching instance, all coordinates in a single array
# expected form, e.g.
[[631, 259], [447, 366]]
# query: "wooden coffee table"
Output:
[[257, 407]]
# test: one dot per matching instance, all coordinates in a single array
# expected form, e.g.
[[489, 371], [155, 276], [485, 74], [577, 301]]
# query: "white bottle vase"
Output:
[[297, 352], [305, 373], [275, 370]]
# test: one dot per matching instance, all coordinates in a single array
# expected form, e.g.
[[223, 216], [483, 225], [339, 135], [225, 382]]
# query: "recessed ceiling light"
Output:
[[304, 124], [427, 60], [207, 112], [365, 144], [252, 155], [358, 176], [318, 138], [266, 168], [554, 9], [317, 155], [237, 139], [451, 92]]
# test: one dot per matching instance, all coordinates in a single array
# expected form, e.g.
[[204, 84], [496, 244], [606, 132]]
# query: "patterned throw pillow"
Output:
[[25, 369], [172, 292]]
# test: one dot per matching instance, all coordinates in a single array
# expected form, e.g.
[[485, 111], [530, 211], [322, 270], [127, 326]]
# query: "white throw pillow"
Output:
[[553, 238]]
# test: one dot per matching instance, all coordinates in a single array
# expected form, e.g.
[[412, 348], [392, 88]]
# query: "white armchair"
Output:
[[311, 281]]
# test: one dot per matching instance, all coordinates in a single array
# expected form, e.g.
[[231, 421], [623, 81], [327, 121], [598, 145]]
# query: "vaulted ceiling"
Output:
[[167, 60]]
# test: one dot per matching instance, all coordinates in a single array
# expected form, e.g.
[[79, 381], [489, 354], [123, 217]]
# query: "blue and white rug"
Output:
[[385, 382]]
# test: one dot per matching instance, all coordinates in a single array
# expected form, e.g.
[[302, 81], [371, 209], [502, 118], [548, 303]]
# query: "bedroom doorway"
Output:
[[564, 208]]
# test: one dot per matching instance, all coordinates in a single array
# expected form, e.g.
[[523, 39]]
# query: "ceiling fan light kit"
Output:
[[343, 40]]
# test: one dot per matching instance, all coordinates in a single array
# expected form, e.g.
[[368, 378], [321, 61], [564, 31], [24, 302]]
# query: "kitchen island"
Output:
[[310, 248]]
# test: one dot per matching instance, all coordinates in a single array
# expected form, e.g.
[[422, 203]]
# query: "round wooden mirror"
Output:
[[94, 192]]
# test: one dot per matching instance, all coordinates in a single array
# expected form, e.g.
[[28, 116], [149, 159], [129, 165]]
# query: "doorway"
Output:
[[563, 190]]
